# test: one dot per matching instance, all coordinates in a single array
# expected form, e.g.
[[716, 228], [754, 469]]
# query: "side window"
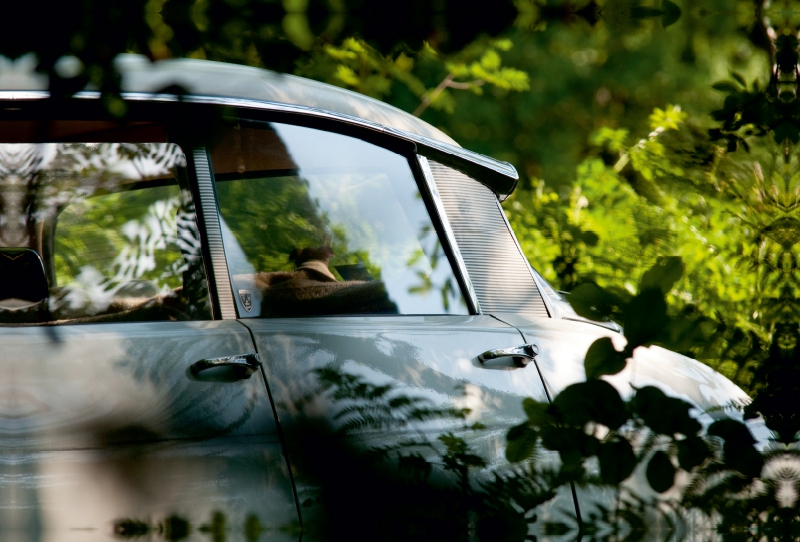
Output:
[[107, 232], [317, 223]]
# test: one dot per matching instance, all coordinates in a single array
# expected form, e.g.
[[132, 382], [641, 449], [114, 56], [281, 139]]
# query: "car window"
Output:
[[319, 223], [93, 232]]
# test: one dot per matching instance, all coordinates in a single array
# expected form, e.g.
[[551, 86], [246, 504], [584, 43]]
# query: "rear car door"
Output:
[[338, 260], [105, 429]]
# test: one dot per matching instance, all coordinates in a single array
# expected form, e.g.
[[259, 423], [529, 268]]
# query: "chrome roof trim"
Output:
[[461, 267], [501, 177]]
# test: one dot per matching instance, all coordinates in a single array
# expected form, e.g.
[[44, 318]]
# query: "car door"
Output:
[[337, 260], [108, 425]]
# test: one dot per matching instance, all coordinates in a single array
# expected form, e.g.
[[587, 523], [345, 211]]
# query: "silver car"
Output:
[[172, 283]]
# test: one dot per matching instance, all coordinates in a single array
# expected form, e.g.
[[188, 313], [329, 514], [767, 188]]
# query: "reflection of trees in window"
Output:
[[272, 216], [100, 214], [431, 255]]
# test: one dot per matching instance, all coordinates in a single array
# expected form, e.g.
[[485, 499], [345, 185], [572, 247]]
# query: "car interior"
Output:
[[94, 230]]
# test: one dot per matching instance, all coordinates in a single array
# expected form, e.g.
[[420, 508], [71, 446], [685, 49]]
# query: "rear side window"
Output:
[[317, 223], [106, 232]]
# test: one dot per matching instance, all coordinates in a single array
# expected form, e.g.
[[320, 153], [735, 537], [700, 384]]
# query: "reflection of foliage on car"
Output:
[[175, 528], [669, 475]]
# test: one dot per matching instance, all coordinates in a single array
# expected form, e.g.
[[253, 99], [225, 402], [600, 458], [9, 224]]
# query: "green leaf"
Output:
[[664, 274], [725, 86], [521, 444], [660, 472], [594, 400], [617, 461], [671, 13], [593, 302], [739, 79], [537, 412], [603, 359]]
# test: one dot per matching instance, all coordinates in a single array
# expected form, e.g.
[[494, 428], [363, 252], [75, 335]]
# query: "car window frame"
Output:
[[179, 115], [406, 149]]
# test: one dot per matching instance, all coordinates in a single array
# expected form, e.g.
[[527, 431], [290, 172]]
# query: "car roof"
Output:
[[217, 82], [204, 77]]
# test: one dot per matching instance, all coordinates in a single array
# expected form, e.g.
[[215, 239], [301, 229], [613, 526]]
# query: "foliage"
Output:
[[84, 37], [658, 145], [360, 67]]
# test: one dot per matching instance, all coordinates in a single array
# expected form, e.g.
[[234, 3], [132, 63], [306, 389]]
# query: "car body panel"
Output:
[[102, 424], [563, 345]]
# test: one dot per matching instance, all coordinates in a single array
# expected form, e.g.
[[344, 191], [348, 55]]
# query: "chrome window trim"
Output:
[[452, 154], [213, 231], [472, 298], [548, 303], [543, 295]]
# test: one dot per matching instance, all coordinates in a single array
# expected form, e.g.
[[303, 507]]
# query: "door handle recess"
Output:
[[247, 364], [522, 355]]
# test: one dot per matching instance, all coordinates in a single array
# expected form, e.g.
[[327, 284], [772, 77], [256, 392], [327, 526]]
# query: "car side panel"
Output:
[[421, 356], [103, 430]]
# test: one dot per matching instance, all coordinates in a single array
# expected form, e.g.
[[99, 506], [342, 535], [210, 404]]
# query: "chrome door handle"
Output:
[[522, 355], [246, 363]]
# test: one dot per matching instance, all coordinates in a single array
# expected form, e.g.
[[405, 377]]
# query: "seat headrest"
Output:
[[23, 282]]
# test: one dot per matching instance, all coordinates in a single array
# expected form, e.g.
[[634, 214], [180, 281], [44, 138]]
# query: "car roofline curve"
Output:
[[501, 177]]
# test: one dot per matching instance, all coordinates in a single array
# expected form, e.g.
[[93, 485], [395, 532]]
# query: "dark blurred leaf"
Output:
[[725, 86], [593, 302], [671, 13], [640, 12], [572, 444], [662, 414], [502, 524], [617, 461], [739, 79], [692, 452], [590, 238], [645, 317], [603, 359], [537, 412], [660, 472], [416, 466], [664, 274], [738, 449], [595, 400], [786, 130], [521, 444], [732, 432], [748, 461]]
